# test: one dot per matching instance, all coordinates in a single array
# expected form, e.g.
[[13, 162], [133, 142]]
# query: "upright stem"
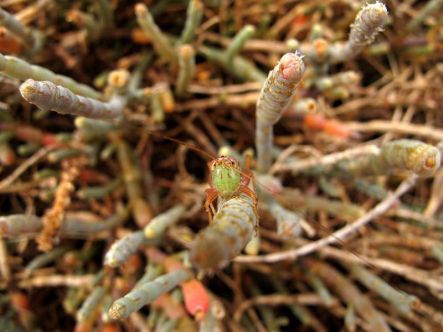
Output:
[[274, 97], [369, 21], [186, 62], [159, 40], [194, 17], [132, 177], [239, 41]]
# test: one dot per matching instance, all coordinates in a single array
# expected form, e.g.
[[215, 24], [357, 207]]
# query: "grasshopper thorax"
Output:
[[226, 176]]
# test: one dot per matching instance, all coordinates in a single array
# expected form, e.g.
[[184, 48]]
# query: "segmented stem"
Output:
[[159, 40], [194, 15], [28, 36], [239, 41], [274, 97], [160, 223], [16, 225], [146, 293], [403, 154], [152, 271], [122, 249], [20, 69], [92, 128], [99, 191], [91, 304], [186, 63], [278, 88], [369, 21], [226, 236], [45, 258]]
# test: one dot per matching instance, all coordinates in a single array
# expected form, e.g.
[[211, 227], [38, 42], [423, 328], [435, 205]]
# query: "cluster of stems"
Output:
[[106, 123]]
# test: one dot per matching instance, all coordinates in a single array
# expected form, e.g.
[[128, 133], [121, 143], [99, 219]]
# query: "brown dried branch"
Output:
[[53, 217], [339, 236]]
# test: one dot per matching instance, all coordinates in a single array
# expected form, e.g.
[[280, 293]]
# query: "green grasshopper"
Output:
[[226, 180]]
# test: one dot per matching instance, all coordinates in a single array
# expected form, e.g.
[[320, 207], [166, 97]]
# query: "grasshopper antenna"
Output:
[[188, 145]]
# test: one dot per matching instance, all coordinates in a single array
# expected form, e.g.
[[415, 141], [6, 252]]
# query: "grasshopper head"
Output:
[[225, 176]]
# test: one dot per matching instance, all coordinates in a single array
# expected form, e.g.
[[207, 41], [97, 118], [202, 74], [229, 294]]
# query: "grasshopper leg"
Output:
[[248, 191], [211, 195]]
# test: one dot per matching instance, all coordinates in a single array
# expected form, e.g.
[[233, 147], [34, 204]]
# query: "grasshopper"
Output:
[[226, 180]]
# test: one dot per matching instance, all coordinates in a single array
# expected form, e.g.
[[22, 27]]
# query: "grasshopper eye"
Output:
[[430, 162]]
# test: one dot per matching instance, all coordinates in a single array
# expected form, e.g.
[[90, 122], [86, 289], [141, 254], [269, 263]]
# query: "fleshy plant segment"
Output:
[[274, 97]]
